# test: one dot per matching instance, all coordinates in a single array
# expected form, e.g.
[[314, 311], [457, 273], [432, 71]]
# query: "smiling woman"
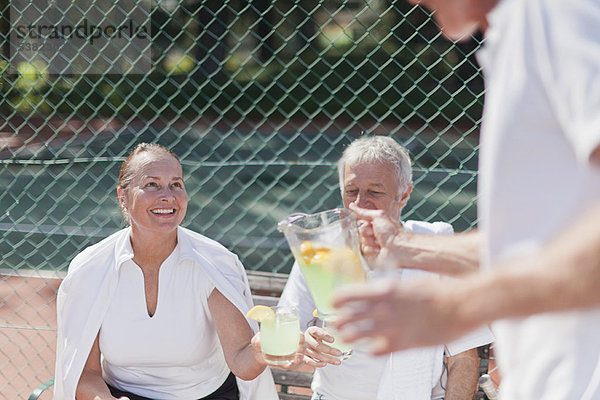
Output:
[[153, 201], [133, 307], [152, 173]]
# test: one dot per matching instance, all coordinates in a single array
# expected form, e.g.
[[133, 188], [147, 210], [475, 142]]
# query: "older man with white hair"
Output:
[[538, 244], [375, 173]]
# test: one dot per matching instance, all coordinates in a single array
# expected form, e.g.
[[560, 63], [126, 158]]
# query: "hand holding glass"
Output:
[[338, 343], [280, 336]]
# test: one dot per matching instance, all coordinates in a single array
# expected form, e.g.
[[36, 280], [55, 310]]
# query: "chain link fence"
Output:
[[258, 98]]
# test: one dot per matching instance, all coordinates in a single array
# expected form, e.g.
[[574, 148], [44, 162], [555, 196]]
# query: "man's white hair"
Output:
[[380, 150]]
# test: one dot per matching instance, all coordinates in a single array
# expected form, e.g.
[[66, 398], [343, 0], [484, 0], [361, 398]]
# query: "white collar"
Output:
[[124, 250]]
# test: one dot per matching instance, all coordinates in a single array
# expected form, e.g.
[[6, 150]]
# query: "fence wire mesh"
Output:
[[258, 98]]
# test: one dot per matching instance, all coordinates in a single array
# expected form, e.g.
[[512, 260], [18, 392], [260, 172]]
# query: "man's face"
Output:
[[373, 186], [459, 18]]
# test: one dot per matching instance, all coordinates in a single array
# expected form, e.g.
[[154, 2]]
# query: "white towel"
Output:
[[412, 374]]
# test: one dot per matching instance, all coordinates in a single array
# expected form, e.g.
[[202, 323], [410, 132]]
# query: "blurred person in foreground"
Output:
[[156, 311], [375, 172], [539, 211]]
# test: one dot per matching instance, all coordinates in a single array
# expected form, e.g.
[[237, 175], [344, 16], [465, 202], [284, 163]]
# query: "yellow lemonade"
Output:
[[326, 268], [280, 337]]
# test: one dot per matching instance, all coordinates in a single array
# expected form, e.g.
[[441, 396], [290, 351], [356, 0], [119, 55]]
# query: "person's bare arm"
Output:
[[385, 245], [563, 275], [455, 255], [595, 156], [91, 386], [463, 375], [235, 335]]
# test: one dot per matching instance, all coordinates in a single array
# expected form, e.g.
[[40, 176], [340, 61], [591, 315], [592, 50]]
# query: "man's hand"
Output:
[[386, 245], [318, 352], [396, 316], [377, 234]]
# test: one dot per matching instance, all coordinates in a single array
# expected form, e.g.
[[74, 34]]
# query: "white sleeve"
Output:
[[442, 228], [568, 33], [478, 337], [428, 228], [296, 294]]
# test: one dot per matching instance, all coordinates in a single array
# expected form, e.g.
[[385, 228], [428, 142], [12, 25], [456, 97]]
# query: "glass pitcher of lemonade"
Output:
[[326, 247]]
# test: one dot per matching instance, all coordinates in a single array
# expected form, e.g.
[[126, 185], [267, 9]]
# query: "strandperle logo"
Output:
[[84, 30], [72, 37]]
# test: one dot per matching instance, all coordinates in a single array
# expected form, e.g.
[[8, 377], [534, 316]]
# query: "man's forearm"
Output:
[[455, 255], [563, 275], [463, 375]]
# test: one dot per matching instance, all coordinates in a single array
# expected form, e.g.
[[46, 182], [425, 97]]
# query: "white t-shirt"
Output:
[[541, 62], [360, 376], [176, 353]]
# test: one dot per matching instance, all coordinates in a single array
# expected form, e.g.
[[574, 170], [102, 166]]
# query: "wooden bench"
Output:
[[292, 385]]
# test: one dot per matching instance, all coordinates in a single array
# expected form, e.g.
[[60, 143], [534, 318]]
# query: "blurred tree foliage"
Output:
[[270, 59]]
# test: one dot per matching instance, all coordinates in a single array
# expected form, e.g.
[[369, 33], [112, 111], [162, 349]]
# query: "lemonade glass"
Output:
[[280, 336]]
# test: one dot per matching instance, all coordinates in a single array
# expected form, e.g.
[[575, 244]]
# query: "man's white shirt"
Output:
[[365, 377], [541, 62]]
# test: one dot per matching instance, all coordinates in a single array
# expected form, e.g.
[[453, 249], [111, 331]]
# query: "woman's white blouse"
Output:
[[90, 289], [175, 354]]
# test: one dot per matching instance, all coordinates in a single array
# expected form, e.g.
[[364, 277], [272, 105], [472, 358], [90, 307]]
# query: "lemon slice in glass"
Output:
[[261, 313]]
